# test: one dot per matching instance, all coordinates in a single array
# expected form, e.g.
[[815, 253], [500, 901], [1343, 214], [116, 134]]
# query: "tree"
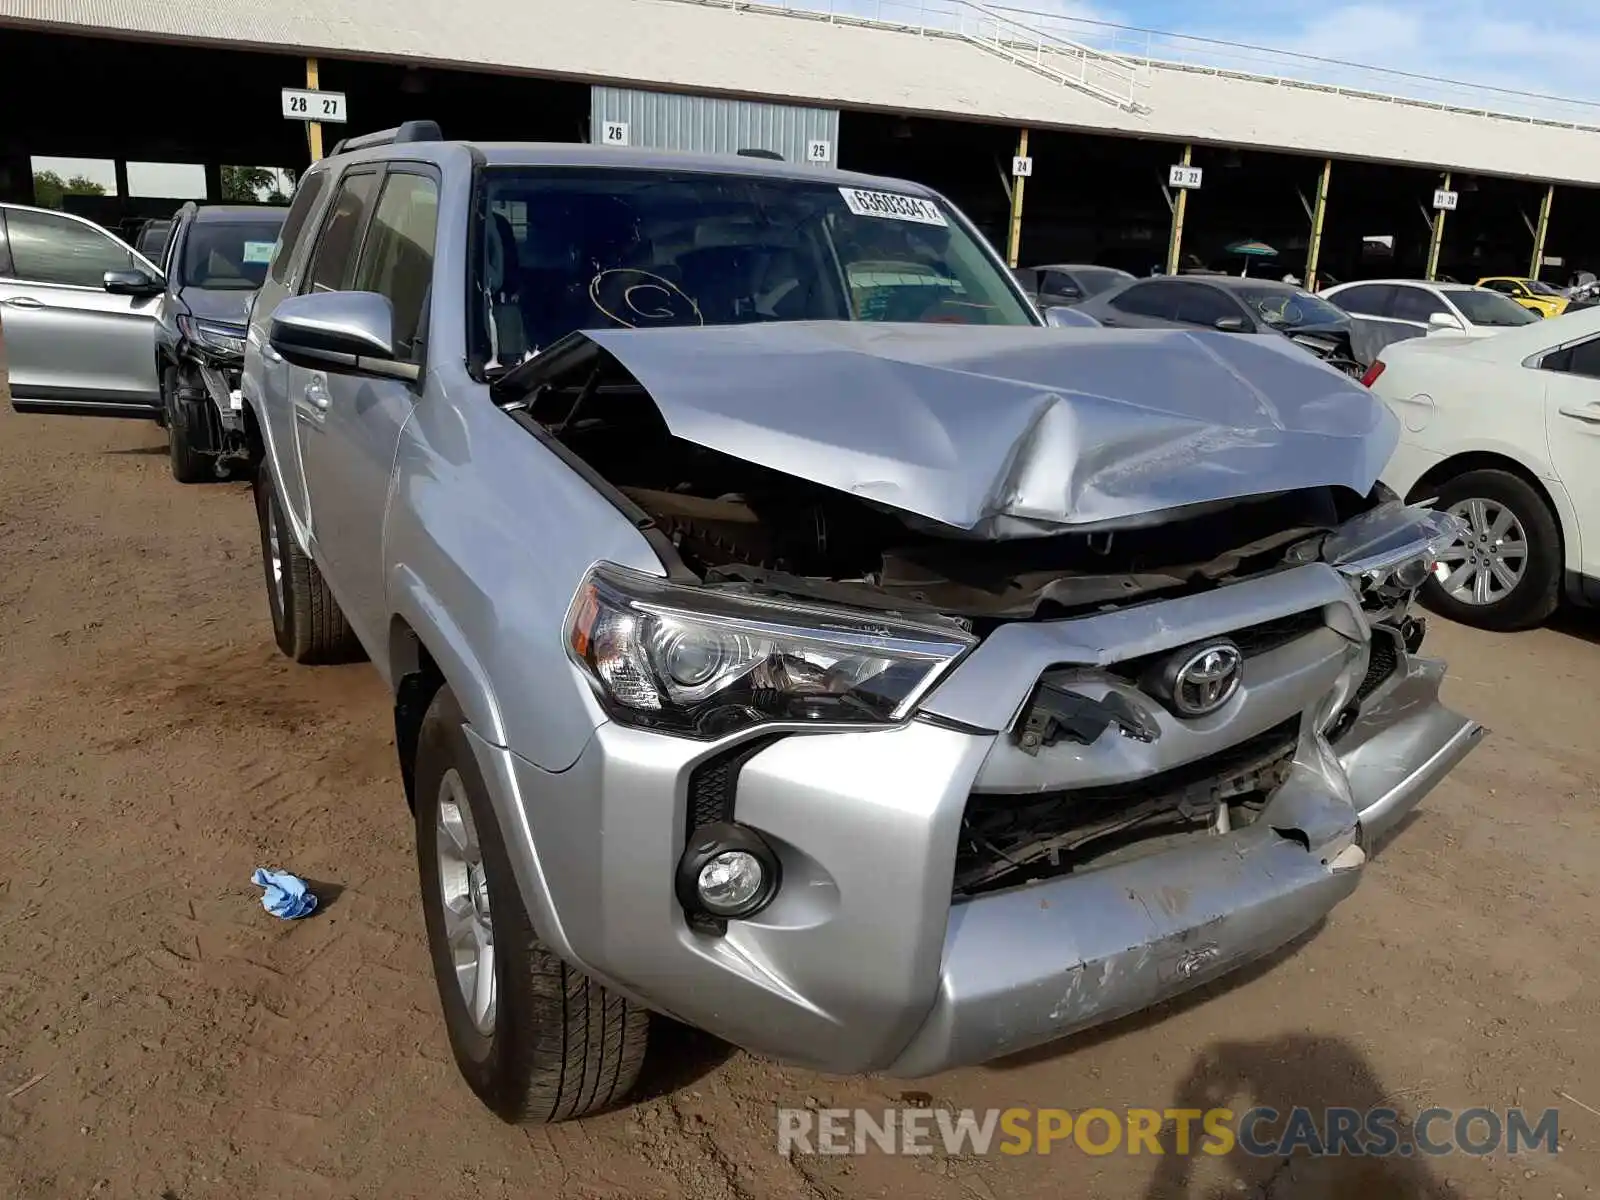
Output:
[[255, 185], [49, 187], [246, 184]]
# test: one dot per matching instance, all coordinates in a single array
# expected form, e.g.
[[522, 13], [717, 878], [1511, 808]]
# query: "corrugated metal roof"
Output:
[[689, 47]]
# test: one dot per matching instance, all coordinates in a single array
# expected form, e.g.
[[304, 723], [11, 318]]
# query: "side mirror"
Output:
[[133, 282], [1232, 325], [1441, 320], [349, 333], [1060, 317]]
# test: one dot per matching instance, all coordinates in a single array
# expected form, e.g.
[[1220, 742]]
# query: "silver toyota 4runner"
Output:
[[818, 649]]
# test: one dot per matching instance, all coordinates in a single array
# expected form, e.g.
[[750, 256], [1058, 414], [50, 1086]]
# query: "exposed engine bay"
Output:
[[735, 522]]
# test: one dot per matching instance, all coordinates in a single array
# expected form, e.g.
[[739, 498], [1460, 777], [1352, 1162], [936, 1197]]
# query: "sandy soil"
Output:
[[172, 1040]]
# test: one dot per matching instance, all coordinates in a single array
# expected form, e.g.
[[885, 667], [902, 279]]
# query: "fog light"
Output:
[[727, 872], [730, 881]]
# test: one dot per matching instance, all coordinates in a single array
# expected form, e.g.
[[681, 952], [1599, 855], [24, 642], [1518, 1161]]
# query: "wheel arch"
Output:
[[1489, 460], [426, 652]]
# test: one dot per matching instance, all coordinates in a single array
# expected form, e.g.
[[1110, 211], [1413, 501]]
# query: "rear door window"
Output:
[[1367, 299], [333, 266], [1159, 299], [47, 248]]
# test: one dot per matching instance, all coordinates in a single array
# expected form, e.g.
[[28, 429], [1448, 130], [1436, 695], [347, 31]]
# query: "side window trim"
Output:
[[330, 207], [5, 247], [431, 173], [135, 259]]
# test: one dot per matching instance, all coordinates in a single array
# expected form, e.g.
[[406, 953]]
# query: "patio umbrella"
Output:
[[1249, 249]]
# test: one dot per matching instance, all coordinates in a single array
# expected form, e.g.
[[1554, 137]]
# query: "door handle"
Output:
[[1589, 416], [23, 302], [317, 393]]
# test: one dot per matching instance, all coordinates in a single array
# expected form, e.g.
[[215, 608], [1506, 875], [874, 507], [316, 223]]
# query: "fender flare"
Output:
[[413, 602]]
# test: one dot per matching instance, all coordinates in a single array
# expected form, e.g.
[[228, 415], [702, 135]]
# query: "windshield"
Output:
[[1540, 288], [1483, 307], [229, 255], [585, 248], [1286, 309], [1094, 280]]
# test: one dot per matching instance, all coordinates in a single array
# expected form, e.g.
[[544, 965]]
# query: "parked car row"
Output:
[[95, 328], [790, 635]]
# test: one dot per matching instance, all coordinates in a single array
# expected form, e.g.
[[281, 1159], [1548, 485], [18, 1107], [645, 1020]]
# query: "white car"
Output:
[[1505, 433], [1452, 309]]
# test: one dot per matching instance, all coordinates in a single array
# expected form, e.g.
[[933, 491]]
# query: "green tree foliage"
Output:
[[49, 187], [254, 185]]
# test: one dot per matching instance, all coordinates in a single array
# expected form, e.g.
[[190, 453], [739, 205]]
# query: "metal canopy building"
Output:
[[955, 68]]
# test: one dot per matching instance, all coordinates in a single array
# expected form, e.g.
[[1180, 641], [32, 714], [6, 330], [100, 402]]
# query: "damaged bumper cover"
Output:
[[868, 958]]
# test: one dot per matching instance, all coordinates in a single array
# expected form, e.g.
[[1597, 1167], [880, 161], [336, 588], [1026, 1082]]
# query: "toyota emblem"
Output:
[[1206, 679]]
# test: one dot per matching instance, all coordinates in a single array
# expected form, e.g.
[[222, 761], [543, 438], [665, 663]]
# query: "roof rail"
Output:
[[410, 131], [751, 152]]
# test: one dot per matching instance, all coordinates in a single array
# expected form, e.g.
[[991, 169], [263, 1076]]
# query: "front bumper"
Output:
[[863, 961]]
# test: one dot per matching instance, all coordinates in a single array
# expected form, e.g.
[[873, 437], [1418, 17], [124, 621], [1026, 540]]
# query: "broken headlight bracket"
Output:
[[1054, 712]]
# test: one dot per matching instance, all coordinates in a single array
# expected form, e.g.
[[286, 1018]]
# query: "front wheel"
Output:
[[188, 433], [536, 1040], [1505, 572]]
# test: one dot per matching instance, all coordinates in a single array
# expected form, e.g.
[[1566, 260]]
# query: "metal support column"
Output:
[[1314, 251], [1014, 242], [313, 128], [1180, 204], [1437, 240], [1542, 231]]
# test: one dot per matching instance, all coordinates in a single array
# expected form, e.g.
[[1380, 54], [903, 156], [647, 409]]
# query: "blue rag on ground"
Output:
[[286, 895]]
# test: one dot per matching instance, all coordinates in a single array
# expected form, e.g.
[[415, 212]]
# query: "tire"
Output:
[[1490, 498], [186, 432], [554, 1045], [307, 622]]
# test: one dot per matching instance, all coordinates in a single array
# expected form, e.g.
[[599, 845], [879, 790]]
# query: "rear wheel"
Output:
[[306, 620], [536, 1040], [1505, 571]]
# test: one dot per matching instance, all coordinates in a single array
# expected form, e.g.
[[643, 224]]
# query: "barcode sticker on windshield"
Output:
[[892, 206]]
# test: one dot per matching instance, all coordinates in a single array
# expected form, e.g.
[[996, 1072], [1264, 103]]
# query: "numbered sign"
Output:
[[1022, 167], [819, 151], [304, 104], [1444, 201], [1179, 176], [614, 133]]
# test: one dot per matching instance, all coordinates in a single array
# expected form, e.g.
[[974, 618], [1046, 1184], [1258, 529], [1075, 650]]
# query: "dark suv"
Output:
[[217, 256]]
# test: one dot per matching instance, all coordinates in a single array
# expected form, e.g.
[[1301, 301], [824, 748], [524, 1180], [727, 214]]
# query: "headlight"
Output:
[[214, 336], [704, 663], [1387, 553]]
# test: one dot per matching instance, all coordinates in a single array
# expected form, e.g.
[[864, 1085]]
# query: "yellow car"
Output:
[[1532, 294]]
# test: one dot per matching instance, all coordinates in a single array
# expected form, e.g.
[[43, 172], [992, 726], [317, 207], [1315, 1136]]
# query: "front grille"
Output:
[[1384, 659], [1008, 839], [1253, 641]]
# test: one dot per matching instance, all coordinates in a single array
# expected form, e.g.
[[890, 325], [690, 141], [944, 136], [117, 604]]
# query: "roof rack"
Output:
[[410, 131], [751, 152]]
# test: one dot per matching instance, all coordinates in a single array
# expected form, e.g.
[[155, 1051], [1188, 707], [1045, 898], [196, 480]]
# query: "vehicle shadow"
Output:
[[140, 450], [1580, 623], [678, 1056], [1304, 1070]]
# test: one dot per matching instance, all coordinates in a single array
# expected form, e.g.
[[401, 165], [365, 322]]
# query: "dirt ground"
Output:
[[161, 1036]]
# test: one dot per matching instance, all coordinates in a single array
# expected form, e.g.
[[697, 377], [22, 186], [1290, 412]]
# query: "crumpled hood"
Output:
[[229, 306], [1008, 432]]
